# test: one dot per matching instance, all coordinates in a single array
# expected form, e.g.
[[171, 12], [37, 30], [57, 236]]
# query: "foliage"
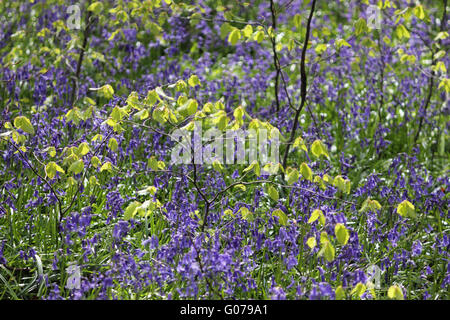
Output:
[[88, 116]]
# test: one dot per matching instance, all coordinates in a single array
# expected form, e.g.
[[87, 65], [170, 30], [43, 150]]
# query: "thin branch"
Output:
[[303, 79]]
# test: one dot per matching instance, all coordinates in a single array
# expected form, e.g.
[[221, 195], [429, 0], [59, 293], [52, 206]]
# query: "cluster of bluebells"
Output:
[[170, 254]]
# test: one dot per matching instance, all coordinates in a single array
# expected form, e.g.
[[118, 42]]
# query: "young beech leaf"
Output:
[[317, 214], [76, 167], [194, 81], [247, 31], [341, 233], [246, 214], [83, 149], [406, 209], [240, 186], [112, 144], [107, 166], [306, 171], [395, 292], [327, 251], [318, 149], [282, 217], [234, 36], [370, 205], [24, 123], [51, 168], [273, 193], [95, 161], [292, 175], [340, 293], [311, 242], [131, 210], [359, 289]]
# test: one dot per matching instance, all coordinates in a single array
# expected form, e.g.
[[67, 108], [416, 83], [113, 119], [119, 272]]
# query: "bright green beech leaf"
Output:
[[131, 210], [107, 166], [247, 31], [83, 149], [318, 149], [194, 81], [76, 167], [342, 234], [340, 293], [292, 175], [406, 209], [112, 144], [394, 292], [96, 7], [95, 161], [359, 289], [24, 123], [317, 214], [327, 251], [282, 217], [342, 184], [188, 108], [246, 214], [306, 171], [273, 193], [51, 168], [234, 36], [311, 242], [370, 205]]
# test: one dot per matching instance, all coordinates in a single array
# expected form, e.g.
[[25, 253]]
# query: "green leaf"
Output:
[[234, 36], [342, 234], [273, 193], [396, 293], [95, 161], [342, 184], [370, 205], [317, 214], [24, 123], [255, 166], [292, 175], [306, 171], [406, 209], [282, 217], [240, 186], [300, 143], [106, 91], [259, 36], [402, 32], [311, 242], [83, 148], [297, 21], [194, 81], [51, 168], [318, 149], [360, 26], [247, 31], [76, 167], [246, 214], [327, 251], [342, 43], [359, 289], [188, 108], [219, 167], [419, 12], [131, 210], [107, 166], [340, 293], [239, 114], [96, 7], [112, 144]]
